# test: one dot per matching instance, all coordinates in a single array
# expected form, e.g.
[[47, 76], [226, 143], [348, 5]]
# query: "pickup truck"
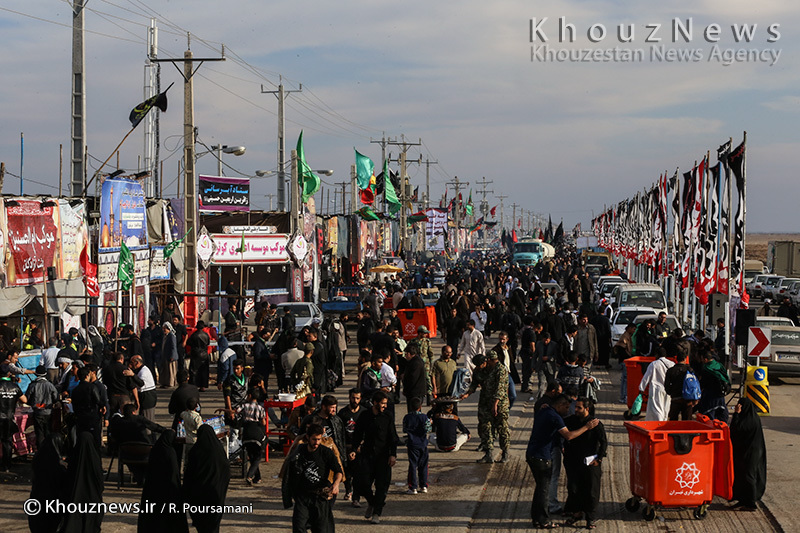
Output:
[[784, 358], [344, 299]]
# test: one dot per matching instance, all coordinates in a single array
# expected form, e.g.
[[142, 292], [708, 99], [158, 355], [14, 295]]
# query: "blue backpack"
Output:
[[691, 387]]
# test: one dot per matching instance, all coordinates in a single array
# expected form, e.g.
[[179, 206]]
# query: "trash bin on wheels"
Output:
[[679, 464], [411, 319]]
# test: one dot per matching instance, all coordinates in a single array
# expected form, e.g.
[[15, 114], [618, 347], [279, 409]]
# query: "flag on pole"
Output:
[[493, 211], [469, 204], [140, 111], [364, 170], [89, 273], [724, 251], [390, 194], [171, 247], [125, 268], [367, 213], [242, 246], [736, 161], [309, 182]]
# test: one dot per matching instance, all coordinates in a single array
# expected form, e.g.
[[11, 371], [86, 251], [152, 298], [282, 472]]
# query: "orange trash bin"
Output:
[[679, 464], [411, 319]]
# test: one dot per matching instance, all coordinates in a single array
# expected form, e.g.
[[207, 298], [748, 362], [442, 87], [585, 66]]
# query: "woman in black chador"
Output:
[[749, 456]]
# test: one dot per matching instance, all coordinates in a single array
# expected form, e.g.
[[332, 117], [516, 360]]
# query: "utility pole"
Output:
[[428, 164], [190, 178], [514, 215], [501, 197], [78, 125], [457, 186], [281, 94], [353, 187], [152, 87], [270, 196], [383, 142], [484, 204], [343, 184], [404, 185]]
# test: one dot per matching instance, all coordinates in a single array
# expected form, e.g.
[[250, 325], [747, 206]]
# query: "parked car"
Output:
[[626, 315], [784, 355], [554, 288], [672, 321], [781, 290], [794, 292], [304, 313], [754, 288], [769, 286]]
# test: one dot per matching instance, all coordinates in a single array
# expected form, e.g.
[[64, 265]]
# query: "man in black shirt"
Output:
[[88, 405], [234, 390], [320, 360], [375, 448], [10, 396], [307, 483], [119, 382], [349, 416], [332, 425], [177, 402], [198, 356]]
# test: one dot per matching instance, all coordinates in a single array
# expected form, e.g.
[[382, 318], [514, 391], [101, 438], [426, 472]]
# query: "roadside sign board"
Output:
[[759, 342]]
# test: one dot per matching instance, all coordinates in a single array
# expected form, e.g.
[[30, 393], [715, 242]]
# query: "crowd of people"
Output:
[[504, 332]]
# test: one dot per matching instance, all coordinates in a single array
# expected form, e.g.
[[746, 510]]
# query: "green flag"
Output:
[[125, 268], [365, 168], [389, 193], [309, 182], [469, 204], [241, 246], [367, 213], [171, 247]]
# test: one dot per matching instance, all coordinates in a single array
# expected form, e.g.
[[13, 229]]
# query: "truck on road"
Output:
[[783, 258]]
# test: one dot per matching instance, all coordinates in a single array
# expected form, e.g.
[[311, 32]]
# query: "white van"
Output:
[[639, 295]]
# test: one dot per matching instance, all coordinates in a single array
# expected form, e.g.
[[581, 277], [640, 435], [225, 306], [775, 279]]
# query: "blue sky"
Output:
[[562, 138]]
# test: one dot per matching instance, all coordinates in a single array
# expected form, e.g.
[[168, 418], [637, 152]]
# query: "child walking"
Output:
[[416, 426]]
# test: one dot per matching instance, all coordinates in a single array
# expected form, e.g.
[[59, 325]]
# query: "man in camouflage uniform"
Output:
[[423, 342], [492, 377]]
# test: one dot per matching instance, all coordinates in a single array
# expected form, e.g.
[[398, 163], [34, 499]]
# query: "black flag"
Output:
[[140, 111]]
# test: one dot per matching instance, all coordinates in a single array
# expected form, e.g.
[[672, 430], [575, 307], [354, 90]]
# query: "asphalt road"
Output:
[[465, 496]]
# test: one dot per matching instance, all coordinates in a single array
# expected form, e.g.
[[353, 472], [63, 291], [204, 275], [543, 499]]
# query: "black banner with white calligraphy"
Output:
[[221, 193]]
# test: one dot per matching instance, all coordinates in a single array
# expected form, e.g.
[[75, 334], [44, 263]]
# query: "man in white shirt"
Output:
[[471, 345], [146, 386], [48, 359], [479, 317]]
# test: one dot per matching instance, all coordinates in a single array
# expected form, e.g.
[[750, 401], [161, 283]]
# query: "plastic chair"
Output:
[[131, 453]]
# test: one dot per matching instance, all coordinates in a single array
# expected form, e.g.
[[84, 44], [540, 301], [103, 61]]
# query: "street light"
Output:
[[225, 149], [262, 173], [265, 173]]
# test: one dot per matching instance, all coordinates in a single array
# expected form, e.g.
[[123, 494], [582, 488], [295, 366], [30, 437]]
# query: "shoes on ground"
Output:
[[368, 514], [376, 519], [355, 503], [411, 491], [486, 459], [503, 458], [424, 490]]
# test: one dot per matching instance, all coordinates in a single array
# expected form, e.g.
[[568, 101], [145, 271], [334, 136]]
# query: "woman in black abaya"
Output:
[[84, 486], [205, 481], [162, 487], [49, 477], [583, 456], [749, 456]]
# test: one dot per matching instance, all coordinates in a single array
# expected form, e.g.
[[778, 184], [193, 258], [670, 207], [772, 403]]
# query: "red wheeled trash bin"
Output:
[[679, 464], [411, 319]]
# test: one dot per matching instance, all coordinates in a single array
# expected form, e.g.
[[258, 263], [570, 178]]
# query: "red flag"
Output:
[[494, 209], [514, 235], [367, 196], [89, 274], [519, 223]]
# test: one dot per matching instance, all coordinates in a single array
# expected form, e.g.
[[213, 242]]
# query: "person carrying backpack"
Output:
[[683, 389], [715, 385]]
